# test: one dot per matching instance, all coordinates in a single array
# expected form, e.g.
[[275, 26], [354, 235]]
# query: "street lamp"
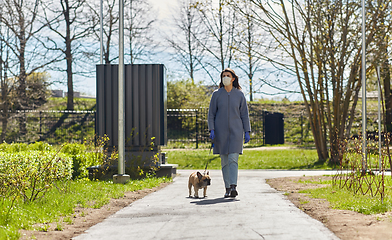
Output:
[[121, 177]]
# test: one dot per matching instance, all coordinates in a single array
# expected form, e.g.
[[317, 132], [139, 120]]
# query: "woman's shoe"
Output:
[[233, 191], [227, 194]]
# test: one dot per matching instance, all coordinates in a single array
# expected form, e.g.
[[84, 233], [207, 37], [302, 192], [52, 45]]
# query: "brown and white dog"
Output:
[[198, 181]]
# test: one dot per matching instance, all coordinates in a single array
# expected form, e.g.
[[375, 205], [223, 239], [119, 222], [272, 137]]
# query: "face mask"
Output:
[[226, 81]]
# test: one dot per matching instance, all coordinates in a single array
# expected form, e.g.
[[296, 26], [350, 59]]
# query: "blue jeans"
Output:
[[229, 164]]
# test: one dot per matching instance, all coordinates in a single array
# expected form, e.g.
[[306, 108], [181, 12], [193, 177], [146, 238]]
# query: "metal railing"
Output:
[[183, 125], [54, 127], [190, 125]]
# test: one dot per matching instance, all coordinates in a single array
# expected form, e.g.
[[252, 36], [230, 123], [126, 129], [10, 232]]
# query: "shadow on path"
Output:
[[214, 201]]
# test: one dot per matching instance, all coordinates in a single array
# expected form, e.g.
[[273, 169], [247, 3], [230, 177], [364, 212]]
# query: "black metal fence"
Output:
[[190, 125], [54, 127], [183, 126]]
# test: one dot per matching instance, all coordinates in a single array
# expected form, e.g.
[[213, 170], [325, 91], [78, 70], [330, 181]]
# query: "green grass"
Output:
[[57, 203], [80, 104], [346, 200], [185, 145], [251, 159]]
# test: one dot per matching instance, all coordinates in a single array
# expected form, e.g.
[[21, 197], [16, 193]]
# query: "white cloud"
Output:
[[164, 8]]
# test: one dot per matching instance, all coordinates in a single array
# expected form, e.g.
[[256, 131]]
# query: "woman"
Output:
[[228, 120]]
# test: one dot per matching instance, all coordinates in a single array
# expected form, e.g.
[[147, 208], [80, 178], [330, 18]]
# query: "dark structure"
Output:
[[145, 109], [273, 126]]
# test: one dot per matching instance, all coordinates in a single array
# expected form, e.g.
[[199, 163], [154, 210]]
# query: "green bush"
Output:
[[76, 152], [30, 174], [90, 153], [21, 147], [83, 156], [13, 147], [40, 146]]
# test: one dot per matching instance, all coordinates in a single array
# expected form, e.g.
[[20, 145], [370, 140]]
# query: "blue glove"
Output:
[[212, 134], [247, 137]]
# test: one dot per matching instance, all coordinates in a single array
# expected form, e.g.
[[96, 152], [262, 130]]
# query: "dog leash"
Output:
[[212, 145]]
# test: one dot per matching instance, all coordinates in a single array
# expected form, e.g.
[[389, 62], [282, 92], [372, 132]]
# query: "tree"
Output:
[[5, 99], [38, 88], [188, 50], [248, 43], [218, 40], [110, 28], [322, 40], [71, 22], [380, 54], [27, 54], [138, 29], [186, 93], [140, 26]]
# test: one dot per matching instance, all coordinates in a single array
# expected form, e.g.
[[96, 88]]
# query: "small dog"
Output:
[[198, 181]]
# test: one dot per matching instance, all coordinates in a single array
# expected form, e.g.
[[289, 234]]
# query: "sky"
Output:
[[164, 7], [87, 85], [165, 10]]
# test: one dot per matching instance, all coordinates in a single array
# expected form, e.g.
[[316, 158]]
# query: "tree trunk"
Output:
[[250, 40], [68, 57], [22, 100], [386, 77], [4, 95], [5, 114]]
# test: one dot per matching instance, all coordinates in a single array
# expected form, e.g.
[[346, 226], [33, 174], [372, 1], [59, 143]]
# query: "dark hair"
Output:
[[236, 84]]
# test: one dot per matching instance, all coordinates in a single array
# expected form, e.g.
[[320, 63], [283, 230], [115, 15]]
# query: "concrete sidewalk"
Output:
[[259, 212]]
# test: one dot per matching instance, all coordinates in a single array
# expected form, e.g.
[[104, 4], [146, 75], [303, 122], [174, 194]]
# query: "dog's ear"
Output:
[[208, 173], [199, 175]]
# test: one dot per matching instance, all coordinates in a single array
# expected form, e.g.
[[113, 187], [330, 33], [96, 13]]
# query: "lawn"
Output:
[[346, 199], [62, 200], [250, 159]]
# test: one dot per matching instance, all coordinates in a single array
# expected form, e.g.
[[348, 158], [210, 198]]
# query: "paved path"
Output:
[[259, 212]]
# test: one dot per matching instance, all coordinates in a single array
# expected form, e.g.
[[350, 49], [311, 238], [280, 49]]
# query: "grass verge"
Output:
[[251, 159], [341, 198], [62, 201]]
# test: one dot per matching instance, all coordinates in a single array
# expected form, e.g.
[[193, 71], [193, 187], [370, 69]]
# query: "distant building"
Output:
[[75, 94], [57, 93], [61, 93], [369, 95]]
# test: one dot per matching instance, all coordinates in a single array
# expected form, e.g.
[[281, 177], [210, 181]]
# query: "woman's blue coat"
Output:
[[228, 116]]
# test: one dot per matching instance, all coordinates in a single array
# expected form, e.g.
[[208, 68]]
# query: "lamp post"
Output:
[[101, 33], [121, 177]]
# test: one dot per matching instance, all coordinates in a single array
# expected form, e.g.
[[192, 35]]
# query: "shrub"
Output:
[[40, 146], [30, 174], [90, 153], [13, 147], [76, 152]]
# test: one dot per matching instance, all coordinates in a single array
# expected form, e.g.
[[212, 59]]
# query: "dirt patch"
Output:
[[345, 224], [83, 218]]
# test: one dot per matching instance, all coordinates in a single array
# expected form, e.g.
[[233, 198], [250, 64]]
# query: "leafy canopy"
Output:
[[186, 93]]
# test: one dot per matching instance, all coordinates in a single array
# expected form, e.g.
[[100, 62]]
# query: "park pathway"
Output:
[[259, 212]]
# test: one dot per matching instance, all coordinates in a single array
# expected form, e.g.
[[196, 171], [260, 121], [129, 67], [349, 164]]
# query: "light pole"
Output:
[[121, 177], [101, 33]]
